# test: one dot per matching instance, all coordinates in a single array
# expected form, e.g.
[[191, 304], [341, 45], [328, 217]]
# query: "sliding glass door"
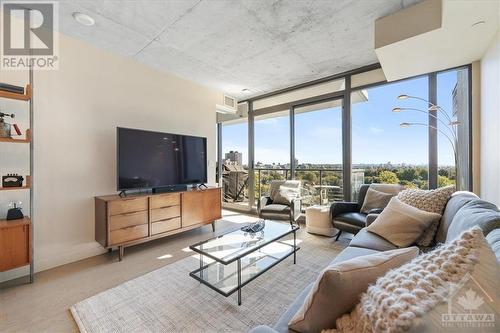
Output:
[[318, 151]]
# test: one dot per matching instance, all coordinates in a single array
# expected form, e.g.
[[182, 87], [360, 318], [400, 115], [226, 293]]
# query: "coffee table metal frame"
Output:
[[238, 258]]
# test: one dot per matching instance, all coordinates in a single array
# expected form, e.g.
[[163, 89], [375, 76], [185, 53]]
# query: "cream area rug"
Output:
[[169, 300]]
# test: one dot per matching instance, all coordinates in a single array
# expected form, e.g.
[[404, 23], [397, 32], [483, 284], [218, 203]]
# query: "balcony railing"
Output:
[[319, 185]]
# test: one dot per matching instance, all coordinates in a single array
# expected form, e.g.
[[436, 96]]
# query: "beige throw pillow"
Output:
[[396, 300], [375, 199], [285, 195], [433, 201], [402, 224], [339, 287]]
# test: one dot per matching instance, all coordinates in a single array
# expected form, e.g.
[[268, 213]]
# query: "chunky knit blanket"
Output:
[[404, 294]]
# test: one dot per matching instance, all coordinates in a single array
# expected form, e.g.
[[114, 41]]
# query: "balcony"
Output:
[[320, 186]]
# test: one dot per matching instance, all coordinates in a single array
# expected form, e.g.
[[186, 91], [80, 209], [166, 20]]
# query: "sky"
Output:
[[377, 137]]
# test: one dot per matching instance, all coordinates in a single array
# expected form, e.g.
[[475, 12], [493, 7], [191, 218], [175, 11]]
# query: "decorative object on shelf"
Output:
[[254, 227], [19, 252], [15, 212], [12, 180], [448, 122], [5, 128], [11, 88]]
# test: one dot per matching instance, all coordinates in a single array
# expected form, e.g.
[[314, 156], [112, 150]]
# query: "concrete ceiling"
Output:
[[261, 45]]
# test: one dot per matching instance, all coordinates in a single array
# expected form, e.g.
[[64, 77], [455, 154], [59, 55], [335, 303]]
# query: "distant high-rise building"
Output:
[[460, 112], [234, 156]]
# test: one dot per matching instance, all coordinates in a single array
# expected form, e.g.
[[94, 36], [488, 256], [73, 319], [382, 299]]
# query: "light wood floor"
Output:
[[43, 306]]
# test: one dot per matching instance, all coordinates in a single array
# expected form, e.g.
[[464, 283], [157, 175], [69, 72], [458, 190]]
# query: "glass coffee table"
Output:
[[230, 261]]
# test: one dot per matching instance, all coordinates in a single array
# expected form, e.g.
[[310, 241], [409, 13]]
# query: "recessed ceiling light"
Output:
[[478, 23], [246, 90], [83, 19]]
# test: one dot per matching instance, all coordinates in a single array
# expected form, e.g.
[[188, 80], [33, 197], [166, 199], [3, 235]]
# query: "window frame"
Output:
[[345, 95]]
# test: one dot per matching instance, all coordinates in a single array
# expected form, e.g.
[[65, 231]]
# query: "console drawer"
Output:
[[166, 225], [165, 213], [128, 234], [127, 205], [127, 220], [165, 200]]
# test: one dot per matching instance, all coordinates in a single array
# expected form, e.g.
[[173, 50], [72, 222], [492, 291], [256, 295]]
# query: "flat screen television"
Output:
[[149, 160]]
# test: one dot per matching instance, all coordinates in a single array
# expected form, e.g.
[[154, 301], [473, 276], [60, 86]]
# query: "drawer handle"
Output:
[[166, 207], [169, 219]]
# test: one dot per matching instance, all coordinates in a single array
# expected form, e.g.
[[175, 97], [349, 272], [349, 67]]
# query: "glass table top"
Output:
[[236, 244], [225, 277]]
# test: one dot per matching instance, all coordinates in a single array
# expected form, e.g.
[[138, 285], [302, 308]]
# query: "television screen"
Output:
[[149, 159]]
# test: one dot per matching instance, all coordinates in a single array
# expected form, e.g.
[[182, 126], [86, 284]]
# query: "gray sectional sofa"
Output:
[[463, 211]]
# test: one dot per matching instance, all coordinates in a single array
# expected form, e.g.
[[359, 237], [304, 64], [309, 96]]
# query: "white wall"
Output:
[[77, 110], [490, 122]]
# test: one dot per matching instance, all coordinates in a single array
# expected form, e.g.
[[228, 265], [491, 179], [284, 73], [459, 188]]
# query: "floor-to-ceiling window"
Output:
[[318, 151], [389, 136], [234, 154], [272, 150], [383, 133]]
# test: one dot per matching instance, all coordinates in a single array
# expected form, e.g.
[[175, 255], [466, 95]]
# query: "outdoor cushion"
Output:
[[369, 240]]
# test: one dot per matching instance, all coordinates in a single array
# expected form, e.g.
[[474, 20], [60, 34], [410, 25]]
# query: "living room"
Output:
[[215, 165]]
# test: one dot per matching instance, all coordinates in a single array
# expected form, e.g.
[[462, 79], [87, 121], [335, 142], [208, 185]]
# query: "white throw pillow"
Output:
[[339, 287], [402, 224], [397, 300]]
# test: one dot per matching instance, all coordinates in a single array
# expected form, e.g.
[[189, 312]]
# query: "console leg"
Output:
[[213, 226], [338, 235], [120, 254]]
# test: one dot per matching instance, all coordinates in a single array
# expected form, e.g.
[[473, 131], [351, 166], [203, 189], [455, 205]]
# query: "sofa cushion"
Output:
[[433, 201], [493, 239], [348, 253], [375, 199], [352, 252], [402, 224], [339, 286], [369, 240], [275, 211], [457, 201], [353, 218], [275, 208], [397, 300], [474, 213]]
